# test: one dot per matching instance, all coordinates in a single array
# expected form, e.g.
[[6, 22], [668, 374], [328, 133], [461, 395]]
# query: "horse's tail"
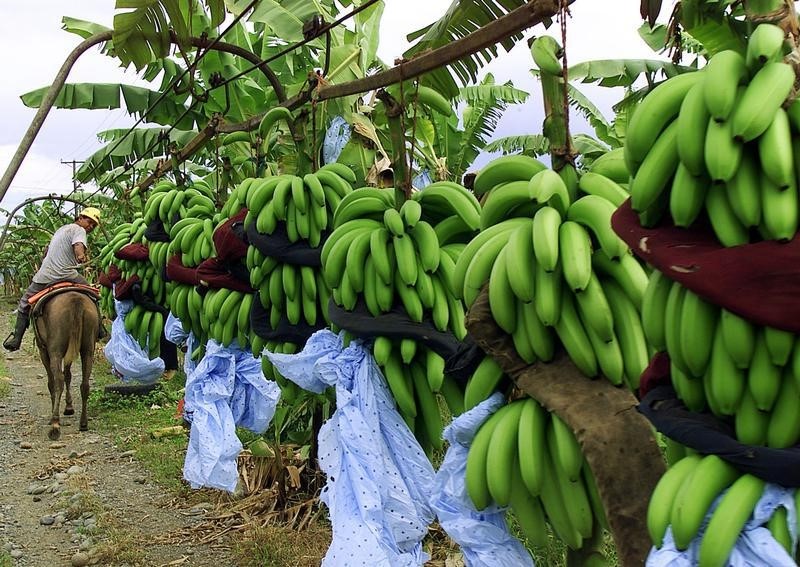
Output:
[[74, 344]]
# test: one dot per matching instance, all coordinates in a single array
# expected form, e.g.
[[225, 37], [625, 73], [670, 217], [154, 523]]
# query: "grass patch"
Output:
[[130, 420], [279, 546], [5, 559]]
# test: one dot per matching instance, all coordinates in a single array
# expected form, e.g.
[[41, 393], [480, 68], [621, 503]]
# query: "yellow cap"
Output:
[[91, 213]]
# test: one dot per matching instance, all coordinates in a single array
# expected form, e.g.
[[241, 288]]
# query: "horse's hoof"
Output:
[[69, 411], [54, 434], [84, 427]]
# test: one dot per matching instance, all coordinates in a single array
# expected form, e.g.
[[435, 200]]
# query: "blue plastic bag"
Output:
[[755, 545], [379, 479], [483, 536], [174, 333], [128, 360], [227, 389], [336, 137]]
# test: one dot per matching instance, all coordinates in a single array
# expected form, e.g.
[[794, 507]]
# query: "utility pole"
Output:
[[75, 183]]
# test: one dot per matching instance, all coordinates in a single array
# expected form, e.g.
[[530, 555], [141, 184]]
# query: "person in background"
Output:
[[66, 252]]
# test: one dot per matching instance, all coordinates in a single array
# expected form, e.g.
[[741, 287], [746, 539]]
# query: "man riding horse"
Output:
[[65, 253]]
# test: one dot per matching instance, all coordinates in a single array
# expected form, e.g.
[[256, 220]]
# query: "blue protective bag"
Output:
[[379, 479], [174, 333], [128, 360], [227, 389]]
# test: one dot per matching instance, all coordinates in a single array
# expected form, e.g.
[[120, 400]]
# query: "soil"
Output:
[[98, 500]]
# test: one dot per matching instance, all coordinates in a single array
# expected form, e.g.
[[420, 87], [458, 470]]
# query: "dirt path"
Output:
[[81, 500]]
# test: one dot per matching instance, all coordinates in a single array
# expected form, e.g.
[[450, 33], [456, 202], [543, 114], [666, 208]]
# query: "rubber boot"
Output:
[[14, 340]]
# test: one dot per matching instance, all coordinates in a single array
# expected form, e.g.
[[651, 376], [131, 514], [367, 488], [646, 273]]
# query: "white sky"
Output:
[[33, 31]]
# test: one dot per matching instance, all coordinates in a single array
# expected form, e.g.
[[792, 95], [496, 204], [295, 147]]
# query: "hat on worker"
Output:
[[91, 213]]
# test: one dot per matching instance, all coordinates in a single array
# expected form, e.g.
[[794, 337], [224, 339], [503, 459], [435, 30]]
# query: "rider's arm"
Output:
[[80, 252]]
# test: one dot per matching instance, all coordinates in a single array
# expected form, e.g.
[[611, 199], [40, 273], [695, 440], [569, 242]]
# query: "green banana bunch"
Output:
[[303, 207], [526, 457], [724, 362], [146, 327], [718, 140], [548, 263]]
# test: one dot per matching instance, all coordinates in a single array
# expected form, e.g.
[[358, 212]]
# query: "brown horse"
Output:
[[66, 327]]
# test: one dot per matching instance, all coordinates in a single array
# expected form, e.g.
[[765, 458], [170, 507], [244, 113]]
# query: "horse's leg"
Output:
[[68, 409], [45, 356], [87, 361], [56, 389]]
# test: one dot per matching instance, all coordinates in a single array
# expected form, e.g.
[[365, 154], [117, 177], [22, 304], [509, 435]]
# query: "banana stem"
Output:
[[562, 152], [394, 113], [301, 143]]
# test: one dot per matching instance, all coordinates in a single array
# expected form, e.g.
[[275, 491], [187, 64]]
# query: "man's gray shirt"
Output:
[[60, 261]]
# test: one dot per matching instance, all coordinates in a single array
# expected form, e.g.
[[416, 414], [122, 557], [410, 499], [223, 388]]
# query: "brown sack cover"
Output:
[[616, 440]]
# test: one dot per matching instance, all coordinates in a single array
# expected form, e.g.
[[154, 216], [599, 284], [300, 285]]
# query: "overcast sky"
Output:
[[34, 47]]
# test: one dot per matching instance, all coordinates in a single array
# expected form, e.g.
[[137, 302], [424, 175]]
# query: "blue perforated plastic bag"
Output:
[[226, 389], [128, 360], [336, 137], [483, 536], [755, 546], [175, 333], [379, 479]]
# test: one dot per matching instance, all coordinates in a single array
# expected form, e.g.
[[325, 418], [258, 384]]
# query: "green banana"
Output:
[[723, 73], [602, 186], [482, 383], [750, 422], [728, 519], [475, 474], [573, 336], [775, 151], [698, 327], [501, 457], [657, 168], [652, 116], [532, 445], [692, 122], [687, 196], [575, 244], [783, 430], [520, 254], [664, 494], [762, 98], [504, 169], [698, 490], [727, 227], [764, 45], [595, 213]]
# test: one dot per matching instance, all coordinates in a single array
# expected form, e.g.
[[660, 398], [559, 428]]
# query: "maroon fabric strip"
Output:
[[229, 246], [137, 251], [758, 281], [177, 272]]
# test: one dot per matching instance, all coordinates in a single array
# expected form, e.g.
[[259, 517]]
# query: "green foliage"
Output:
[[461, 19]]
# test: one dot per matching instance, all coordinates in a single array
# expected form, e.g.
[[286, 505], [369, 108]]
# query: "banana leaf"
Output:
[[142, 33], [285, 19], [141, 143], [137, 100], [623, 72], [461, 18], [533, 145]]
